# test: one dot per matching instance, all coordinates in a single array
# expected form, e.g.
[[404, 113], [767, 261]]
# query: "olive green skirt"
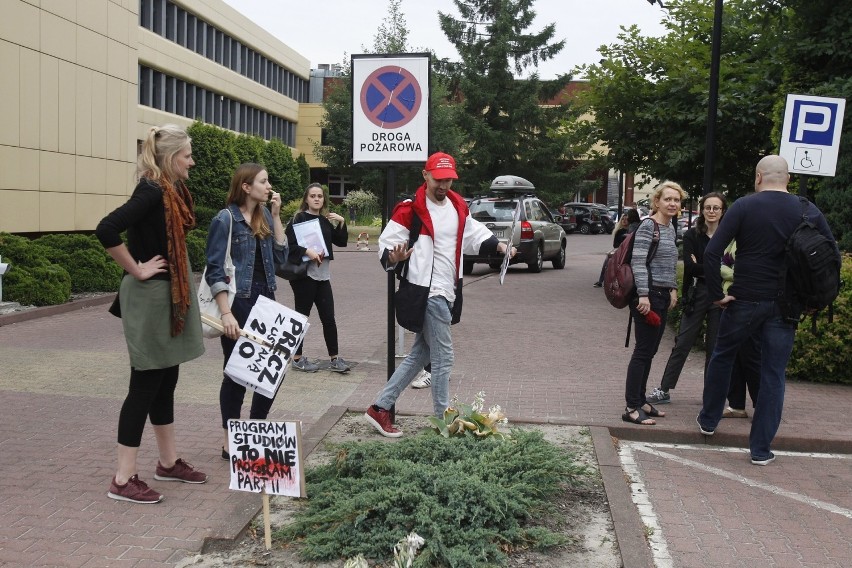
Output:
[[146, 316]]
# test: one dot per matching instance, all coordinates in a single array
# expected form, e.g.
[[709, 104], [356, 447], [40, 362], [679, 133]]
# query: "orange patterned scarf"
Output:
[[180, 218]]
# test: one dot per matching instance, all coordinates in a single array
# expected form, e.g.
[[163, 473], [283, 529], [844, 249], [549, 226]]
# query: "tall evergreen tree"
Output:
[[508, 124]]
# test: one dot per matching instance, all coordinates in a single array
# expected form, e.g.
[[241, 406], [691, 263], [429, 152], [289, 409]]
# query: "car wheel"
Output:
[[467, 267], [559, 261], [538, 262], [584, 229]]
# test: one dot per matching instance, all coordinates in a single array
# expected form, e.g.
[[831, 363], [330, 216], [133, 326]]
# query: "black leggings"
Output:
[[151, 393], [306, 293]]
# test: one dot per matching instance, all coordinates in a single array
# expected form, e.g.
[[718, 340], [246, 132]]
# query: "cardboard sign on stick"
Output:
[[266, 457], [257, 366]]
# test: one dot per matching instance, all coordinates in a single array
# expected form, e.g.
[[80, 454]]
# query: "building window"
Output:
[[339, 186]]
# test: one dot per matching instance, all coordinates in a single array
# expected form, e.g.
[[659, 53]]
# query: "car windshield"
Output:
[[493, 210]]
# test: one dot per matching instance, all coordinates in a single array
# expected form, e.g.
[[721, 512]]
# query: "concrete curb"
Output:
[[46, 311]]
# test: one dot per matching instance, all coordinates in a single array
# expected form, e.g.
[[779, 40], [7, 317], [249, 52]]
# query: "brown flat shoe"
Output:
[[734, 413]]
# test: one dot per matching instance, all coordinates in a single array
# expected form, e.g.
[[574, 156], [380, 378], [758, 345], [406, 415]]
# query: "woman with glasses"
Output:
[[696, 307]]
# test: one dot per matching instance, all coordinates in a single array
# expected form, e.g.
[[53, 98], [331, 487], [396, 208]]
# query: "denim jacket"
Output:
[[242, 252]]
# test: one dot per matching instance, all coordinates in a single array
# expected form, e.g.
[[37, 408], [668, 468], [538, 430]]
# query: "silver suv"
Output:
[[538, 236]]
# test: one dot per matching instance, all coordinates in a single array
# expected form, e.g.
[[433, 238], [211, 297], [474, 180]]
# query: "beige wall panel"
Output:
[[28, 109], [56, 211], [67, 107], [83, 112], [117, 23], [91, 50], [88, 211], [117, 60], [113, 202], [113, 115], [118, 174], [148, 117], [128, 122], [57, 36], [93, 178], [19, 170], [94, 15], [66, 9], [10, 94], [99, 113], [57, 172], [46, 98], [19, 211], [18, 22]]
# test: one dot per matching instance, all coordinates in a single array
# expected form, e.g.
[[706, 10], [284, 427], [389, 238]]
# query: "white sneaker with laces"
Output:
[[423, 380]]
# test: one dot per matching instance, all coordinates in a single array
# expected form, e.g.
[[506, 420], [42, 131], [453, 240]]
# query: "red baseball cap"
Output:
[[441, 166]]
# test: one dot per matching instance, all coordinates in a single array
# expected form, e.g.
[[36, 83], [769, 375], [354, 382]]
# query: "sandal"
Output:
[[641, 419], [653, 411]]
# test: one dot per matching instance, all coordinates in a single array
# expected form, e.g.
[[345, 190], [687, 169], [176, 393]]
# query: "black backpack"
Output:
[[813, 266]]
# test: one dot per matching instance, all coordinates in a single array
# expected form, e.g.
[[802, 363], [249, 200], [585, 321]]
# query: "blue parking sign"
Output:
[[810, 140]]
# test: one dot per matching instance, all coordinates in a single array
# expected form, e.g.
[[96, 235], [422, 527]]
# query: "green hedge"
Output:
[[824, 357]]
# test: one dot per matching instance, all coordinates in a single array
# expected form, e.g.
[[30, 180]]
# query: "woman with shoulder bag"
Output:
[[698, 308], [655, 275], [626, 225], [159, 307], [315, 287], [258, 246]]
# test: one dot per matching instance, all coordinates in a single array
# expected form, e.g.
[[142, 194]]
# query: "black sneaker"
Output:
[[763, 461], [705, 431], [659, 396]]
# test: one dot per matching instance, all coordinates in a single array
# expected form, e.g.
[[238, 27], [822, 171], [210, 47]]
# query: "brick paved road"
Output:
[[546, 347]]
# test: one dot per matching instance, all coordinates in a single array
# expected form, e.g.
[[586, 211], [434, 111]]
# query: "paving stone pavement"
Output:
[[546, 347]]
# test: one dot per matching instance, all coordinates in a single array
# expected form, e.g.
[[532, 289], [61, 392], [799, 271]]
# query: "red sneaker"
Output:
[[181, 471], [382, 421], [135, 491]]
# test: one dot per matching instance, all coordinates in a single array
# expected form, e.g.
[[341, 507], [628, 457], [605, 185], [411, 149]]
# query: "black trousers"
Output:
[[231, 394], [308, 292], [646, 342]]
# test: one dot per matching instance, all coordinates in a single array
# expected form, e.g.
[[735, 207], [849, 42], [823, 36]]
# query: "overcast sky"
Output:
[[324, 30]]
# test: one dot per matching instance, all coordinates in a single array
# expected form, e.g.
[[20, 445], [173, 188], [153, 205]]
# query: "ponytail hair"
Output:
[[156, 160]]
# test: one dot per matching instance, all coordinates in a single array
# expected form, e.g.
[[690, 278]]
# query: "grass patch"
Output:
[[474, 501]]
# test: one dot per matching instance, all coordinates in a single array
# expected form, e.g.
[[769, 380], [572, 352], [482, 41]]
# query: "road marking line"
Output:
[[830, 507]]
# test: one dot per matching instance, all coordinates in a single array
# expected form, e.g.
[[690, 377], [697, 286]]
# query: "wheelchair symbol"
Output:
[[807, 160]]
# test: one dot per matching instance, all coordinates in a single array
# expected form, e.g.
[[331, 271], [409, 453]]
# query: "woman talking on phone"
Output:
[[258, 245]]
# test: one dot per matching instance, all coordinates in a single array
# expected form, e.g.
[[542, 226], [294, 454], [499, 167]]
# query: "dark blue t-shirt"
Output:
[[761, 223]]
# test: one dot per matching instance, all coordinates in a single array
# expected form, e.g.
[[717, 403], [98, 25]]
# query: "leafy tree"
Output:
[[509, 128], [215, 162], [649, 96], [284, 173]]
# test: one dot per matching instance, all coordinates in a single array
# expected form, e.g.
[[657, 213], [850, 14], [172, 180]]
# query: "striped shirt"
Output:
[[664, 264]]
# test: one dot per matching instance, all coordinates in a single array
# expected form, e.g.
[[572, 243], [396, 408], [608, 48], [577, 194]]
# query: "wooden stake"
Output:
[[267, 528]]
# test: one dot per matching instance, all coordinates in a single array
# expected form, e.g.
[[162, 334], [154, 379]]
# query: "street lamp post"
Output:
[[713, 95], [713, 103]]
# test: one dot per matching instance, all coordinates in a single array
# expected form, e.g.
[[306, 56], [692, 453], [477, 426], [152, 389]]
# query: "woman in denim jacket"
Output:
[[258, 245]]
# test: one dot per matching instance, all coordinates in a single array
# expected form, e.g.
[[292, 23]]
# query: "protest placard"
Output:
[[266, 457], [260, 367]]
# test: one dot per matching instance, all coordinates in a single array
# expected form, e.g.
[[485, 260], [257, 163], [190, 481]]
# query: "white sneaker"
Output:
[[423, 380]]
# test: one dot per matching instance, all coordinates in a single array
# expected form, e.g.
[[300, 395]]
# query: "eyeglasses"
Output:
[[713, 208]]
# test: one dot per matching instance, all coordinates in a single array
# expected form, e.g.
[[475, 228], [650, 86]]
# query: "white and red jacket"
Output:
[[473, 238]]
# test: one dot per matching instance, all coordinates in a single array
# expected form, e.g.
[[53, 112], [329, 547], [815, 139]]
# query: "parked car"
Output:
[[538, 236], [607, 222], [588, 218], [569, 219]]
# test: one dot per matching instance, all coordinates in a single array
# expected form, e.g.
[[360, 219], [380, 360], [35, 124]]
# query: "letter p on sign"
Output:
[[813, 123]]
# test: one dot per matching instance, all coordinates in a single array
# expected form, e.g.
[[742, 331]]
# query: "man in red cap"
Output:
[[423, 242]]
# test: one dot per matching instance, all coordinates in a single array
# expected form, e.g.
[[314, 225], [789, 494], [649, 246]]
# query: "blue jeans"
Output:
[[433, 345], [740, 320]]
